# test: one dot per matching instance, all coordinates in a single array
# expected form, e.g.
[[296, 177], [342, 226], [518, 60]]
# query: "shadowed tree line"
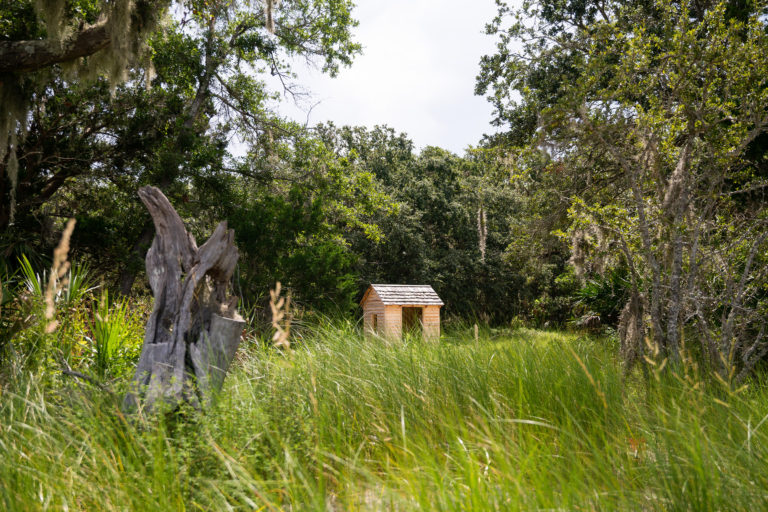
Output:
[[324, 210]]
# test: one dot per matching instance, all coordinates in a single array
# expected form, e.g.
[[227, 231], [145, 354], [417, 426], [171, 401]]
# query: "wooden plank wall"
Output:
[[393, 323], [431, 321], [390, 319], [373, 306]]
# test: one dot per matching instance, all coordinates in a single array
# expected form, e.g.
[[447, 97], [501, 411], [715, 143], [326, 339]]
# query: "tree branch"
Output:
[[25, 56]]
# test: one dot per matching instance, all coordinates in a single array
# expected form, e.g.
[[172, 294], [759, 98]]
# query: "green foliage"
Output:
[[519, 420], [23, 19], [292, 225], [602, 297], [18, 20], [88, 334], [72, 288], [324, 211], [434, 234], [88, 148], [648, 129], [78, 285], [110, 331], [34, 282]]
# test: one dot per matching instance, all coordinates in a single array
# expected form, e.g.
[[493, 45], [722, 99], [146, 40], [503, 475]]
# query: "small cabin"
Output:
[[391, 309]]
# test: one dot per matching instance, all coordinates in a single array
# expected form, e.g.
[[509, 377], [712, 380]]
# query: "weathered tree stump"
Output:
[[194, 330]]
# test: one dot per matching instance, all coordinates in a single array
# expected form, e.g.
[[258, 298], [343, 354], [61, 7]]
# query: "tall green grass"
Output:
[[518, 420]]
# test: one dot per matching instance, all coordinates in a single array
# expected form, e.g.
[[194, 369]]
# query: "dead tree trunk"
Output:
[[194, 330]]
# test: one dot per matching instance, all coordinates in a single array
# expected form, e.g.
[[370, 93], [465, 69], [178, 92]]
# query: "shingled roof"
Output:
[[405, 294]]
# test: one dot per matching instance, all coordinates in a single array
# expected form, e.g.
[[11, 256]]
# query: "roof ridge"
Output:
[[405, 294], [388, 284]]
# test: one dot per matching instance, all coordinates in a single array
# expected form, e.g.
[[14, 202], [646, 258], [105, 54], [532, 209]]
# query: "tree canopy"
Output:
[[653, 117]]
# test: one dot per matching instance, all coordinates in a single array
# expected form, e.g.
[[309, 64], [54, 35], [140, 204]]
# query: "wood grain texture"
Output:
[[406, 294], [386, 301], [393, 322], [431, 322], [373, 306], [194, 330]]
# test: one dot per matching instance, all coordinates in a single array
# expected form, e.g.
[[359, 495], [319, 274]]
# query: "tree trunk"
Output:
[[194, 330]]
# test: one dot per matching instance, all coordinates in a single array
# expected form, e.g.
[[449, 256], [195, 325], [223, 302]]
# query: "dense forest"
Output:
[[619, 205], [325, 210]]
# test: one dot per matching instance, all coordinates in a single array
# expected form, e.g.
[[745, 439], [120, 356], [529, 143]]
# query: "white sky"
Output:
[[416, 74]]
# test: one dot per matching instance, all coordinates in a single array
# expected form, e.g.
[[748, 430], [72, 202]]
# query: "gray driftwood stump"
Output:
[[194, 330]]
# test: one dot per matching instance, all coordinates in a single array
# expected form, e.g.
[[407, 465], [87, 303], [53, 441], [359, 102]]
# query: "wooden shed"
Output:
[[390, 309]]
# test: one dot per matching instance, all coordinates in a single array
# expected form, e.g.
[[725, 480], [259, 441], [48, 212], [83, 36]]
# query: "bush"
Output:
[[84, 333]]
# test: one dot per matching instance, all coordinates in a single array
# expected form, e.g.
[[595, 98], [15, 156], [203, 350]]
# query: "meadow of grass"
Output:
[[520, 419]]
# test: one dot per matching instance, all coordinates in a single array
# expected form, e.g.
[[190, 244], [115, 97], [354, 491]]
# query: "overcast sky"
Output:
[[416, 74]]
